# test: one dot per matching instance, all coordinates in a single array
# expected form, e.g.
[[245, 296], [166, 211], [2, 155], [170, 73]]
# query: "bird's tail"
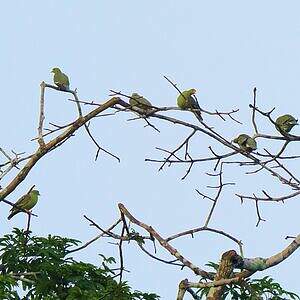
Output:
[[11, 215], [197, 113]]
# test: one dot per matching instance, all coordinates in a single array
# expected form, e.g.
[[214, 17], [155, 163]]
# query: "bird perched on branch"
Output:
[[138, 101], [285, 123], [60, 79], [27, 201], [186, 101], [245, 142]]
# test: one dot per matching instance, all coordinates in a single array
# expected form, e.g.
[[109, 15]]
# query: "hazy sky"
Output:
[[221, 48]]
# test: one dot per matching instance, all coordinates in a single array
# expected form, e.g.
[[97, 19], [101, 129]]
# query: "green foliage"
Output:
[[252, 289], [42, 268]]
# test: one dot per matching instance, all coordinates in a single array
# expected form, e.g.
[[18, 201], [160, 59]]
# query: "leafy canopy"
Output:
[[41, 268]]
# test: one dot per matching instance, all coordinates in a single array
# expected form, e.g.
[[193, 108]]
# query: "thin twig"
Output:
[[163, 243], [42, 115], [253, 111], [96, 237], [40, 152], [259, 218], [204, 228]]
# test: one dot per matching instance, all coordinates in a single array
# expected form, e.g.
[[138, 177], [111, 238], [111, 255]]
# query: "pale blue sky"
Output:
[[222, 48]]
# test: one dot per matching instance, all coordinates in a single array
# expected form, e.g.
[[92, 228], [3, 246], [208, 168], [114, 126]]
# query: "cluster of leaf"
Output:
[[252, 289], [40, 268]]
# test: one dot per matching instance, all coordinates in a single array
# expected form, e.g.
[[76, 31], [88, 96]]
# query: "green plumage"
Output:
[[285, 123], [60, 79], [138, 101], [245, 142], [255, 264], [185, 100], [27, 202]]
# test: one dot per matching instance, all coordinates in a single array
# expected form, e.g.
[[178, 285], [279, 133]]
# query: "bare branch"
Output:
[[268, 198], [204, 228], [253, 111], [259, 218], [164, 243], [215, 200], [42, 115], [96, 237], [40, 152]]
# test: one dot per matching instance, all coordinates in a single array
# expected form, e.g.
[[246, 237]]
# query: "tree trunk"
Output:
[[228, 261]]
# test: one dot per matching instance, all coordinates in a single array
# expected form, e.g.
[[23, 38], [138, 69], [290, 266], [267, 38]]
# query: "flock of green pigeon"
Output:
[[283, 124], [185, 100]]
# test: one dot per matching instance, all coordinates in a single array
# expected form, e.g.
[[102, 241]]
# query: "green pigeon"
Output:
[[139, 101], [60, 79], [27, 201], [245, 142], [185, 100], [285, 123]]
